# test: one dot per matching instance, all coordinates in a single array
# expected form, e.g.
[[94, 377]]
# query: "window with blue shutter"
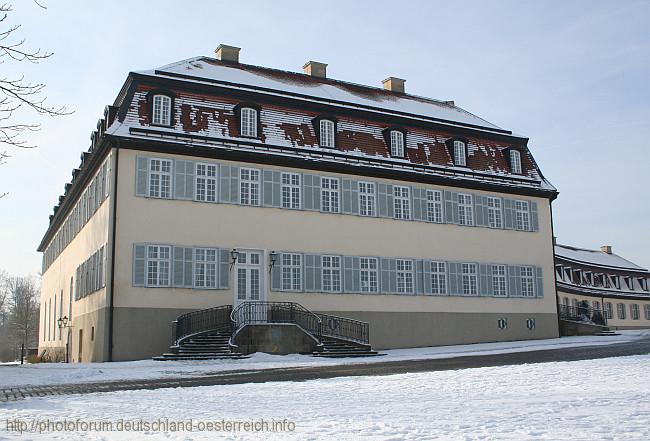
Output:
[[509, 214], [184, 179], [351, 274], [480, 210], [224, 268], [311, 192], [514, 285], [229, 184], [312, 275], [485, 279], [419, 197], [451, 207], [539, 278], [350, 190], [138, 267], [271, 188], [183, 267], [534, 218], [454, 279], [388, 272], [141, 176], [276, 274], [385, 200]]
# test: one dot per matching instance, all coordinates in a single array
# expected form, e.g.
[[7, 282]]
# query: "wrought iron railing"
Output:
[[582, 314], [196, 322], [345, 328], [250, 313]]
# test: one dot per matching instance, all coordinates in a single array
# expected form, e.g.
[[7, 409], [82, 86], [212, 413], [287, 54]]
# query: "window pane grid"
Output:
[[330, 195], [499, 285], [495, 217], [368, 276], [160, 178], [438, 278], [470, 282], [460, 153], [367, 199], [404, 276], [161, 110], [291, 272], [249, 186], [465, 209], [327, 133], [249, 122], [397, 143], [434, 206], [291, 190], [331, 273], [402, 202]]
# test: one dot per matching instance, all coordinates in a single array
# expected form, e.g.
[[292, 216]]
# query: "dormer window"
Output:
[[327, 133], [460, 154], [396, 143], [248, 122], [515, 161], [161, 110]]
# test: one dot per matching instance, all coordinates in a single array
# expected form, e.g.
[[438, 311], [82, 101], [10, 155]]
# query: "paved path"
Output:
[[636, 347]]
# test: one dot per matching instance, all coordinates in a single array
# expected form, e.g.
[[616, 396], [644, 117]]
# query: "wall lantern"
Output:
[[273, 257], [234, 255]]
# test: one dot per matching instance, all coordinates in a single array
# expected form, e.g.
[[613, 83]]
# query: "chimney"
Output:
[[394, 84], [606, 249], [227, 53], [315, 69]]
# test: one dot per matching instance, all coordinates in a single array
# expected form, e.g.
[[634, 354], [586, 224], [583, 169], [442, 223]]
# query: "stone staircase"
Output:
[[337, 348], [207, 346]]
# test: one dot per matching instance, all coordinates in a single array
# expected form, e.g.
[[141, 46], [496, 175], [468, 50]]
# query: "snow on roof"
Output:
[[595, 257], [212, 70]]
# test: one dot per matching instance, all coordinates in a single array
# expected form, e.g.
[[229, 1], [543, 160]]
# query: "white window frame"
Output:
[[402, 202], [515, 161], [205, 189], [434, 206], [205, 268], [499, 281], [470, 279], [527, 275], [331, 273], [405, 276], [161, 110], [154, 262], [609, 310], [495, 213], [291, 277], [248, 118], [160, 170], [522, 215], [438, 278], [330, 195], [367, 199], [290, 189], [621, 312], [460, 154], [369, 274], [249, 186], [327, 134], [397, 143], [635, 311], [465, 209]]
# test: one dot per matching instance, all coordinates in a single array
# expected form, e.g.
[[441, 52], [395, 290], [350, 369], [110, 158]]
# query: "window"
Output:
[[499, 285], [646, 310], [206, 182], [205, 268], [644, 283], [162, 105], [465, 209], [608, 311], [367, 199], [635, 311], [438, 278], [527, 281], [495, 216], [629, 281], [331, 273], [470, 282], [160, 178], [460, 154], [158, 257], [404, 276], [396, 143], [402, 202], [248, 122], [434, 206], [522, 216], [515, 161], [329, 190], [291, 272], [620, 311], [327, 133], [368, 268], [616, 281], [249, 182], [291, 190]]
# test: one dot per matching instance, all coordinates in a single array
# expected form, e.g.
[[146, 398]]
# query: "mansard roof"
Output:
[[595, 258]]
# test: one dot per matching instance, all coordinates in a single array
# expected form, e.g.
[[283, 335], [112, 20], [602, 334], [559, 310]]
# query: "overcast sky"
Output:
[[573, 76]]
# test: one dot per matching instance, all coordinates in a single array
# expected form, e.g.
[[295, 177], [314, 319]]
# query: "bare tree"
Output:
[[23, 310]]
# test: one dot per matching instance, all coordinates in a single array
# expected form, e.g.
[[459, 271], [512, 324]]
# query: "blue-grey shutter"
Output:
[[508, 214], [480, 211], [419, 277], [351, 275], [534, 219], [229, 184], [311, 192], [385, 275], [350, 194], [184, 179], [426, 277], [141, 176], [224, 268], [419, 198], [312, 273], [385, 200], [451, 207], [539, 291], [271, 188], [276, 274], [514, 282], [138, 266], [183, 267], [453, 275], [485, 279]]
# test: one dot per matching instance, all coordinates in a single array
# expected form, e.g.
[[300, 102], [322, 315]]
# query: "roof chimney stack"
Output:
[[315, 69], [227, 53], [606, 249], [394, 84]]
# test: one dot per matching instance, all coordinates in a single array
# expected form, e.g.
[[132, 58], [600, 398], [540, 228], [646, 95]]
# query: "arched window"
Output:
[[515, 161], [327, 133], [161, 110], [460, 154], [396, 143], [248, 122]]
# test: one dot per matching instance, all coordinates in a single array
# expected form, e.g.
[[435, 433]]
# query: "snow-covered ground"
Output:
[[604, 399], [59, 373]]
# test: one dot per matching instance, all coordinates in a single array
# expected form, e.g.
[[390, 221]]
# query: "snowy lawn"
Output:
[[60, 373], [583, 400]]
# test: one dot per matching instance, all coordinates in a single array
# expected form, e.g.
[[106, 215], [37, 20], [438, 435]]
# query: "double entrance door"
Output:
[[250, 286]]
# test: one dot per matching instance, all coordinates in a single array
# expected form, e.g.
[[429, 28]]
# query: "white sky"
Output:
[[573, 76]]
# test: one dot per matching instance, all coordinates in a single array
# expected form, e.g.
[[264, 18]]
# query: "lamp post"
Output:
[[64, 323]]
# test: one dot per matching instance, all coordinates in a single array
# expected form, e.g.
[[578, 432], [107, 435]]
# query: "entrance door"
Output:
[[249, 286]]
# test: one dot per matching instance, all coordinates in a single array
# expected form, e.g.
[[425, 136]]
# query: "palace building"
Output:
[[217, 197]]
